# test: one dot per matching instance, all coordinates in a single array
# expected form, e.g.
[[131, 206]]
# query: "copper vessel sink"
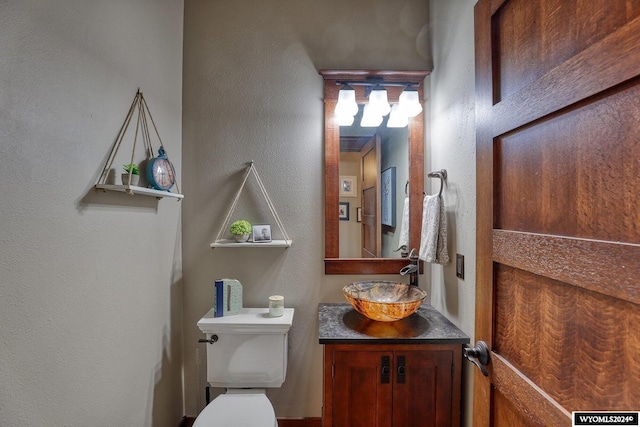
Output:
[[383, 300]]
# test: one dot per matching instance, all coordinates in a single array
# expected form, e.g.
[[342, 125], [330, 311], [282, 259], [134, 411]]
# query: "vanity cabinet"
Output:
[[398, 374], [390, 386]]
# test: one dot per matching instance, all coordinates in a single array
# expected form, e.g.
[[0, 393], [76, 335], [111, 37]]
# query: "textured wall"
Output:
[[451, 146], [90, 297], [252, 92], [91, 290]]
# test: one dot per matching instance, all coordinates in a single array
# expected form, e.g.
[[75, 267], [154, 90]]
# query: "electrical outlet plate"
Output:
[[460, 266]]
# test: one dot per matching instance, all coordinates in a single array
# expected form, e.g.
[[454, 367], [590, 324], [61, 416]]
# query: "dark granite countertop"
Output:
[[341, 324]]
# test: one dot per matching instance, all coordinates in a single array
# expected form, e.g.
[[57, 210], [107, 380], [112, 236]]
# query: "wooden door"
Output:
[[423, 389], [558, 214], [370, 193], [361, 389]]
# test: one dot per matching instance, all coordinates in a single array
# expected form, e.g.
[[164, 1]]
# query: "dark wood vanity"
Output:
[[390, 374]]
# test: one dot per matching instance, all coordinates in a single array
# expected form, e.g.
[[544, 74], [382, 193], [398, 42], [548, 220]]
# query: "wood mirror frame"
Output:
[[332, 263]]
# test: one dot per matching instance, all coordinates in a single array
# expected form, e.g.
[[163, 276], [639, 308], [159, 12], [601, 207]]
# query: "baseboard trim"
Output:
[[299, 422], [282, 422]]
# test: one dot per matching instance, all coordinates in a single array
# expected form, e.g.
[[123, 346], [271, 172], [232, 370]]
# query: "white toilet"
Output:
[[248, 356]]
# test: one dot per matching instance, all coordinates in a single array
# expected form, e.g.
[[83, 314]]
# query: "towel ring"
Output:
[[442, 174]]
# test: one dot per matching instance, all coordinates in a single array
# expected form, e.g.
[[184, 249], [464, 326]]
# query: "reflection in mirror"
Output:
[[360, 238], [367, 247]]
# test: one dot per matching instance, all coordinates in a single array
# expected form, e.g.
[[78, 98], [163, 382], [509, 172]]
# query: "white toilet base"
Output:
[[238, 408]]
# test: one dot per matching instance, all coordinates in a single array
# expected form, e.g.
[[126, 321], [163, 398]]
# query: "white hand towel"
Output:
[[403, 240], [433, 239]]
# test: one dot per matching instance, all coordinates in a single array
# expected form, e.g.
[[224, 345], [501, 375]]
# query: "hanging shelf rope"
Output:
[[219, 242], [140, 109]]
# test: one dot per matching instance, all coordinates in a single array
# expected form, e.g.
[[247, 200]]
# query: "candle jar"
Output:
[[276, 305]]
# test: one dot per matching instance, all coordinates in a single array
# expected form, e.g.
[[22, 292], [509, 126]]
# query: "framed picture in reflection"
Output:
[[343, 211], [348, 186]]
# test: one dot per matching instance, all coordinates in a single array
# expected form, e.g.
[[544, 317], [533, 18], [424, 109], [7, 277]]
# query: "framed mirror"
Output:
[[373, 239]]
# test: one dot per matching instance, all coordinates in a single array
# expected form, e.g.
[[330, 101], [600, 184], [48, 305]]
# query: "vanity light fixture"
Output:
[[378, 100], [396, 118], [409, 102], [371, 118], [378, 106], [345, 119], [347, 105]]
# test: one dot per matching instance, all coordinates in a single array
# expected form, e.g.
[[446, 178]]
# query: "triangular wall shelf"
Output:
[[143, 191], [226, 243], [140, 107]]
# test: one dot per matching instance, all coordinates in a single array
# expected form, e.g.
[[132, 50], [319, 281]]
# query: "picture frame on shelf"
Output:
[[348, 186], [343, 211], [261, 233]]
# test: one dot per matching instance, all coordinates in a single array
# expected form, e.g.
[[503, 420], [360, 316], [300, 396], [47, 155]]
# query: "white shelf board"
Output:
[[132, 189], [226, 243]]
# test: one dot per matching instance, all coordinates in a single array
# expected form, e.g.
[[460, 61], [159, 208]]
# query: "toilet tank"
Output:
[[251, 350]]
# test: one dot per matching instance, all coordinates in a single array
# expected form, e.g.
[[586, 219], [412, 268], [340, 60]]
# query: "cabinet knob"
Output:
[[402, 369], [385, 370]]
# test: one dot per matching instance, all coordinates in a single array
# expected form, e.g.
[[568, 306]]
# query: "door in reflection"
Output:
[[370, 200]]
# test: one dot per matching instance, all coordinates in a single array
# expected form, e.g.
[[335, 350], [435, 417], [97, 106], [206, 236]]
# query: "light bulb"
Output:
[[410, 102], [347, 104], [378, 100], [345, 119], [397, 118], [370, 117]]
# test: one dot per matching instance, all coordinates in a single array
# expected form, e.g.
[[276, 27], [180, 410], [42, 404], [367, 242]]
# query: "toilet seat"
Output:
[[238, 408]]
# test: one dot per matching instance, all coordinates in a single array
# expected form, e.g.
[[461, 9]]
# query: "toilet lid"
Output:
[[238, 410]]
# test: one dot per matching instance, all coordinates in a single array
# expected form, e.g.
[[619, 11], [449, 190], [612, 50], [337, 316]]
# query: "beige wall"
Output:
[[90, 291], [451, 146], [256, 95], [252, 92], [92, 303]]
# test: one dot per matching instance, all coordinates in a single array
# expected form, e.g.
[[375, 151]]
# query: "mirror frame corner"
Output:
[[332, 263]]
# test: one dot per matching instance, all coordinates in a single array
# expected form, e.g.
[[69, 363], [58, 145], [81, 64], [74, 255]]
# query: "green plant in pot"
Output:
[[241, 230], [132, 175]]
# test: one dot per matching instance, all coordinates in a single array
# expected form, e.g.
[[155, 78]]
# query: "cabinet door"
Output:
[[422, 394], [362, 389]]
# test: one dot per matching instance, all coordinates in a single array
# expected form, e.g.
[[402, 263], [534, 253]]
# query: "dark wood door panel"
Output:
[[605, 64], [568, 173], [575, 344], [610, 268], [369, 218], [534, 36], [371, 240], [423, 398], [507, 415], [558, 223], [517, 401], [360, 396]]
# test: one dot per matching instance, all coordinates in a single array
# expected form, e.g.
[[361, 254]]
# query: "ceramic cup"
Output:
[[276, 305]]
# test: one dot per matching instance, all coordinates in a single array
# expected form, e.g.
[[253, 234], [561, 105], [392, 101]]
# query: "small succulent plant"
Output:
[[131, 168], [240, 227]]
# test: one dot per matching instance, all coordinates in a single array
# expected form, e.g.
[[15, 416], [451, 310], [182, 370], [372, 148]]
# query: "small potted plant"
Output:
[[241, 230], [132, 173]]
